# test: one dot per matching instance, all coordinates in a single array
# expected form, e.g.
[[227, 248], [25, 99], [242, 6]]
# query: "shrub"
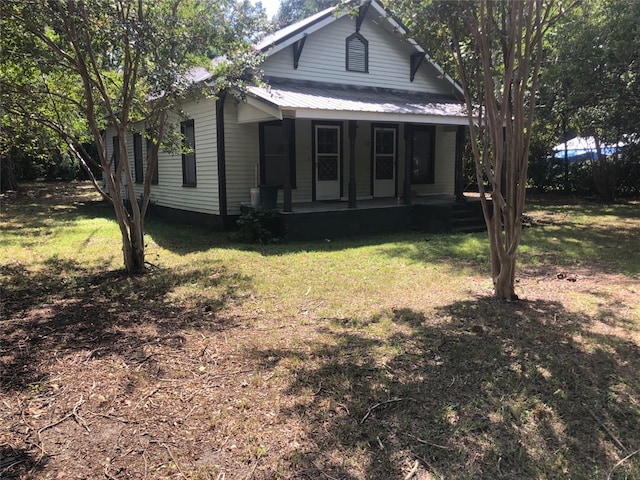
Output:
[[623, 174], [259, 226]]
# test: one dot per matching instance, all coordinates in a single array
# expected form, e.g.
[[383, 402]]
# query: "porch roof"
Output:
[[340, 102]]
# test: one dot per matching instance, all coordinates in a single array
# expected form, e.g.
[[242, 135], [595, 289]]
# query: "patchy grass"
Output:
[[376, 358]]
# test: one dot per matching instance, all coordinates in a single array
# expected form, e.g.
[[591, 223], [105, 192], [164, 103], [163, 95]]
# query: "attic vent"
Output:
[[357, 53]]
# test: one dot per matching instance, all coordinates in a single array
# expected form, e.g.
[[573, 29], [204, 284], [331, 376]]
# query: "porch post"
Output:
[[288, 154], [459, 167], [407, 164], [353, 127]]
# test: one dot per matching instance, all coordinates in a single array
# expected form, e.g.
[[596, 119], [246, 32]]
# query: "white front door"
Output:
[[327, 154], [384, 161]]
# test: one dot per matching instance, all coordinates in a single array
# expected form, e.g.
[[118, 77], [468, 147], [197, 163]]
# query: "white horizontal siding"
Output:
[[242, 157], [169, 191], [323, 60], [204, 197]]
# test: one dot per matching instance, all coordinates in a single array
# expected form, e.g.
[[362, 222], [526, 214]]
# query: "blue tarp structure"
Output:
[[581, 148]]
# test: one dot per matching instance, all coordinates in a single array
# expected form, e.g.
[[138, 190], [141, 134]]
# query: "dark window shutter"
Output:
[[138, 160], [116, 152], [189, 154]]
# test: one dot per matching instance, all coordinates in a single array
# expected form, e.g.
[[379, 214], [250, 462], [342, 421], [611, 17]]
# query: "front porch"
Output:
[[334, 219], [342, 161]]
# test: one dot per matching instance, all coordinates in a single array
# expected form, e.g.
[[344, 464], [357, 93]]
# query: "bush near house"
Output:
[[259, 226]]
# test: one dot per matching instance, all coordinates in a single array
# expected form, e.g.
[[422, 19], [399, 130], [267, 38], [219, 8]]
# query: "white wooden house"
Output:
[[354, 118]]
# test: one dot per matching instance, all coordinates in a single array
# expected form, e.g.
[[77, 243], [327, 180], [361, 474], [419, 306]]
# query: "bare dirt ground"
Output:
[[101, 379]]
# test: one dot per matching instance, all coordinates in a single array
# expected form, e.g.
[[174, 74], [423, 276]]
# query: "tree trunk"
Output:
[[7, 173], [131, 226], [605, 174], [133, 251], [136, 232], [503, 276], [132, 238], [503, 262]]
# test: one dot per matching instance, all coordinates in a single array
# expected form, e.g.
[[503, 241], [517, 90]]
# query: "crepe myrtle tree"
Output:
[[496, 49], [122, 63]]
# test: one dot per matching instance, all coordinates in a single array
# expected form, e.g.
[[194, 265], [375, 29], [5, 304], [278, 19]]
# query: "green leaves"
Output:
[[598, 68], [78, 67], [291, 11]]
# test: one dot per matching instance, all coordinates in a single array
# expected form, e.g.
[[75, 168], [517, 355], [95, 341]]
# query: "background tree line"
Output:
[[591, 88]]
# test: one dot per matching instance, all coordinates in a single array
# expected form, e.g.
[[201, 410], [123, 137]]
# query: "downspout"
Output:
[[222, 164]]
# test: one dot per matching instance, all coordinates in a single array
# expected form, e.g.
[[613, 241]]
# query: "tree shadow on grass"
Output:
[[39, 206], [481, 390], [571, 205], [65, 308]]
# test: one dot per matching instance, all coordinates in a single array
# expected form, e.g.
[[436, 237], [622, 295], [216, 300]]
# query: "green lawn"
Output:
[[377, 358]]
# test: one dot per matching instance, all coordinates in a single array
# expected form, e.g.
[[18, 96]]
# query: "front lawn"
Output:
[[372, 358]]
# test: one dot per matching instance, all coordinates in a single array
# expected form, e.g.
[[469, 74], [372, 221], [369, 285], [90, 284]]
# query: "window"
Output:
[[422, 154], [138, 161], [357, 54], [188, 154], [273, 154]]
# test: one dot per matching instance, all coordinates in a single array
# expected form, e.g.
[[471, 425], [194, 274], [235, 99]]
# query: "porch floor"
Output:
[[369, 203]]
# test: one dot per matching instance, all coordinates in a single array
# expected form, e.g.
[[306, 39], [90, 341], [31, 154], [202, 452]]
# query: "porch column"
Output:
[[288, 154], [353, 128], [408, 131], [459, 167]]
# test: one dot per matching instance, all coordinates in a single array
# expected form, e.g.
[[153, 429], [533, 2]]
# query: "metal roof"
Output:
[[305, 100], [291, 30]]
